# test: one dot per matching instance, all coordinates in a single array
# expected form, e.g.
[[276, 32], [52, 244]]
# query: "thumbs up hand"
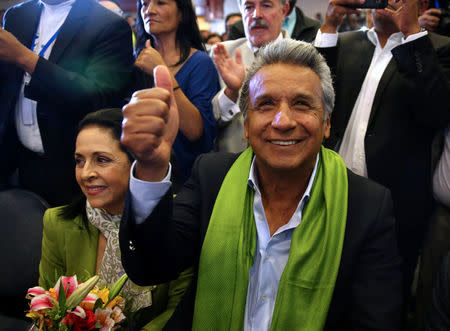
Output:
[[148, 59], [150, 126]]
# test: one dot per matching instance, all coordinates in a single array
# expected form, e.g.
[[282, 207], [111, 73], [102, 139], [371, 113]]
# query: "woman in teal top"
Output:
[[82, 238]]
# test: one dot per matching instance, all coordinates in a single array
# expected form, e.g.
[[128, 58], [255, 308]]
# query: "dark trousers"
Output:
[[435, 248]]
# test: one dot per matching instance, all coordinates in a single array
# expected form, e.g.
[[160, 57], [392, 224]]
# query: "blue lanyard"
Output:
[[436, 2], [44, 48]]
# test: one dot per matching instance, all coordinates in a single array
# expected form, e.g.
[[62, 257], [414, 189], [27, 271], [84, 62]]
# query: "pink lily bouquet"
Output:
[[73, 306]]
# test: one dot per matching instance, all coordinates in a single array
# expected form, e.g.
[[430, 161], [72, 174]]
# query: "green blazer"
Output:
[[69, 249]]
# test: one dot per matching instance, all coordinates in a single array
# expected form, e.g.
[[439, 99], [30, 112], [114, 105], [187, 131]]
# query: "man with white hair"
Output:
[[281, 236]]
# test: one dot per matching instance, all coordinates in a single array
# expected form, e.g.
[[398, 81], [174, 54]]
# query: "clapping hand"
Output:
[[231, 70]]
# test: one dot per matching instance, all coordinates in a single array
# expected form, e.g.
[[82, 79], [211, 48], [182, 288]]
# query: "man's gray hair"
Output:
[[290, 51], [282, 2]]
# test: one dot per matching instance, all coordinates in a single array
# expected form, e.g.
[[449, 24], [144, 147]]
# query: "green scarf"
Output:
[[307, 283]]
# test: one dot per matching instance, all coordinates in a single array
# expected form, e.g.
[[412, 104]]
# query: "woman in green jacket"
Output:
[[82, 238]]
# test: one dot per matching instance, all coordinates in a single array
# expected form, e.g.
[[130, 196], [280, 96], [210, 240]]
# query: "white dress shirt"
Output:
[[52, 18], [352, 146]]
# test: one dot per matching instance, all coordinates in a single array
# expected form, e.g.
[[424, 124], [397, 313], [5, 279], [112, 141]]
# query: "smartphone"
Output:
[[376, 4]]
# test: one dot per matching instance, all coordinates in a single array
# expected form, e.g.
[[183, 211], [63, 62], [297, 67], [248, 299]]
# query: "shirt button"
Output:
[[267, 256], [131, 246], [263, 298]]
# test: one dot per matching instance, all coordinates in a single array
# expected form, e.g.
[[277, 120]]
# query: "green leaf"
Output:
[[116, 288], [98, 304], [81, 292], [62, 298]]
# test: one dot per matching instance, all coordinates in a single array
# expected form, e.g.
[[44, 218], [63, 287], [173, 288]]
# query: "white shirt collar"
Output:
[[395, 38], [254, 183]]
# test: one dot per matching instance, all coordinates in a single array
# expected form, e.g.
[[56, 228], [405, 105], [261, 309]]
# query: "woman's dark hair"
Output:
[[110, 119], [187, 36]]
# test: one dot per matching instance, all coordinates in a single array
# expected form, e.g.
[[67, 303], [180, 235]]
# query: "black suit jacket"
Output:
[[367, 294], [305, 28], [410, 105], [88, 69]]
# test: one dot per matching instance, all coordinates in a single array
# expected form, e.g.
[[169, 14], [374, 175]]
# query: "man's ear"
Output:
[[246, 127], [327, 126], [286, 8]]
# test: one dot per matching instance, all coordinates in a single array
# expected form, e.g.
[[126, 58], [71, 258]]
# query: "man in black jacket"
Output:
[[59, 60], [281, 236]]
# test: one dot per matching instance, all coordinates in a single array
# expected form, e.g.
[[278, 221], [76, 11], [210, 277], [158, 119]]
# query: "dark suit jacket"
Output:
[[88, 68], [305, 28], [411, 103], [367, 294]]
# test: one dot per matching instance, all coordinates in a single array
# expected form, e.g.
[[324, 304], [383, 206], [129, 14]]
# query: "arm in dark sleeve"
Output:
[[376, 290], [426, 69], [101, 83], [168, 241]]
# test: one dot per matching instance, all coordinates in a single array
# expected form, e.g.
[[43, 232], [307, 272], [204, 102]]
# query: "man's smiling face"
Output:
[[285, 122]]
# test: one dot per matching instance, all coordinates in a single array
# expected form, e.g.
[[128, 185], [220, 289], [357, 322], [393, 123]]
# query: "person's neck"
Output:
[[281, 192], [384, 31], [166, 46]]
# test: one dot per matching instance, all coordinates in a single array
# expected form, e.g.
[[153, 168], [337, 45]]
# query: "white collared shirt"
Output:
[[352, 147], [52, 18]]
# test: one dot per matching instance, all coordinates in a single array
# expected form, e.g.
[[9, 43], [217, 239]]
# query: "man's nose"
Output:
[[257, 12], [283, 119]]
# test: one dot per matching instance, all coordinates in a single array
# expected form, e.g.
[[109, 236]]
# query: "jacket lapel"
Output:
[[385, 79], [29, 20], [360, 57], [80, 249], [73, 23]]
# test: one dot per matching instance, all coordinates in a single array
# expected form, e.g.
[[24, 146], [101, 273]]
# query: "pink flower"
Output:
[[34, 291], [42, 301], [70, 284]]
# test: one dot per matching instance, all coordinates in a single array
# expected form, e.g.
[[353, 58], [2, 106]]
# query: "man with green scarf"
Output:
[[282, 236]]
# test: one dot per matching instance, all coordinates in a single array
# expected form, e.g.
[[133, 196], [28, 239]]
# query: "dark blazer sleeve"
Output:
[[376, 290], [170, 239], [368, 291], [425, 65], [96, 84]]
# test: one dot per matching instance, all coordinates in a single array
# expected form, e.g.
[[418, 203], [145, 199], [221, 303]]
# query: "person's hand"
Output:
[[148, 59], [335, 14], [12, 51], [231, 70], [405, 14], [430, 19], [150, 126]]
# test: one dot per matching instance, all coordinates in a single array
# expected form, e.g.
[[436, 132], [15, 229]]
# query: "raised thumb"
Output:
[[148, 44], [162, 78]]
